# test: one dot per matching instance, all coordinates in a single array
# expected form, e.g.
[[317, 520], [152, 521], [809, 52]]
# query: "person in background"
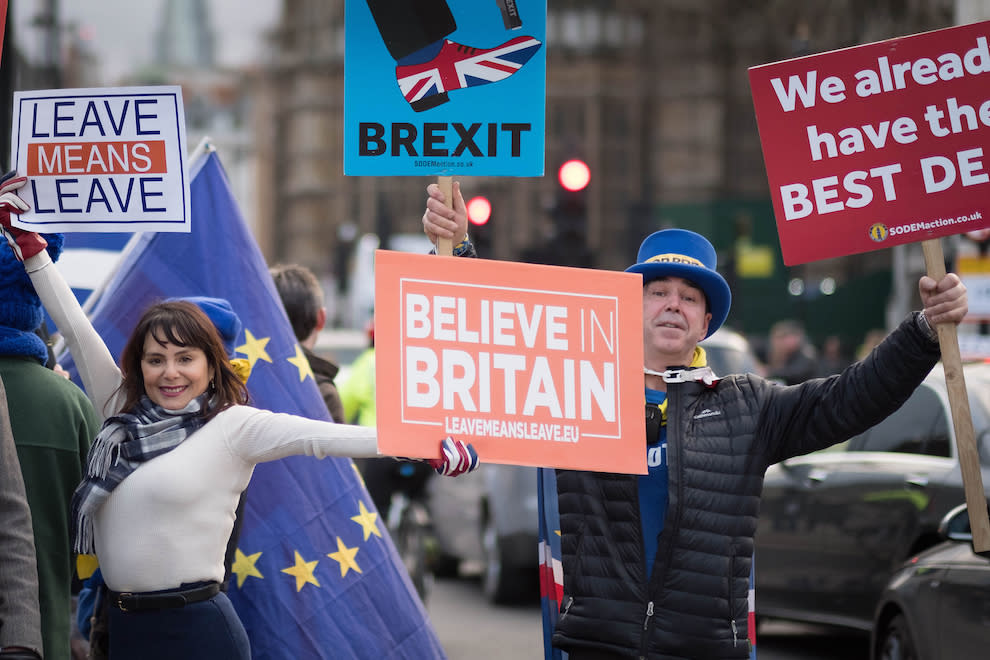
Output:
[[791, 359], [657, 566], [20, 615], [382, 477], [177, 448], [357, 393], [53, 423], [870, 341], [302, 298], [833, 356]]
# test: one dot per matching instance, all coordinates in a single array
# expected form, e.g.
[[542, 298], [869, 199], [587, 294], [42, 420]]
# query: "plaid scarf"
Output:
[[124, 442]]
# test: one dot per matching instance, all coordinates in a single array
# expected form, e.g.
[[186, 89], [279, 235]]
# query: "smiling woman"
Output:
[[174, 369], [166, 471]]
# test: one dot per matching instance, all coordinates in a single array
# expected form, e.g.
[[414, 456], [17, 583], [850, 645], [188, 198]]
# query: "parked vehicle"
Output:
[[836, 524], [487, 521], [937, 605]]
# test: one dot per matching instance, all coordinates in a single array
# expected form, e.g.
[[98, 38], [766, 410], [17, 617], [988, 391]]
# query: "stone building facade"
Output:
[[652, 94]]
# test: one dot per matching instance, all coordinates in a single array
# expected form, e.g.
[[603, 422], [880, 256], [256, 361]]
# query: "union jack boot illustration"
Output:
[[427, 84]]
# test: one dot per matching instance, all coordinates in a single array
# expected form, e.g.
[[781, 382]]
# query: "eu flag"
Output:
[[316, 574]]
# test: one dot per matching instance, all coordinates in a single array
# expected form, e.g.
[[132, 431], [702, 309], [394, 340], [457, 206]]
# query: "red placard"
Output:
[[535, 365], [877, 145], [3, 23]]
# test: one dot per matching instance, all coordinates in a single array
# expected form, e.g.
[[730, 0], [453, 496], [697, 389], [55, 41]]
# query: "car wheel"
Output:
[[500, 583], [895, 641]]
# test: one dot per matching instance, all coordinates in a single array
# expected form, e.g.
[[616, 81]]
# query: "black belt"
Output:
[[127, 601]]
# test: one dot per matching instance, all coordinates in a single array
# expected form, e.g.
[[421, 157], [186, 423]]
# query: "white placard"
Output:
[[102, 160]]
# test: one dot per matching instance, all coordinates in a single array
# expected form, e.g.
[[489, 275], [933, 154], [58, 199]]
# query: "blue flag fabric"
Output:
[[316, 574], [551, 570]]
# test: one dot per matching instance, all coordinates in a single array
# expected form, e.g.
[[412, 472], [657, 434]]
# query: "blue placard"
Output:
[[445, 87]]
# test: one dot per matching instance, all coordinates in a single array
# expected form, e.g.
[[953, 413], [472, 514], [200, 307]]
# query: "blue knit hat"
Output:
[[223, 316], [683, 253], [20, 306]]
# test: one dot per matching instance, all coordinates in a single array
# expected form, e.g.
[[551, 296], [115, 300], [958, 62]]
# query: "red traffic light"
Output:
[[574, 175], [479, 210]]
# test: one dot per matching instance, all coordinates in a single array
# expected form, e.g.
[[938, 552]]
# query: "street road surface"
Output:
[[471, 629]]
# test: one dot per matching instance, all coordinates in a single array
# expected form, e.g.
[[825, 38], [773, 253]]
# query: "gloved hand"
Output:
[[456, 457], [25, 244]]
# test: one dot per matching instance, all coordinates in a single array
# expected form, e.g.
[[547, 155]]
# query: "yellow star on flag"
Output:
[[345, 557], [303, 571], [357, 471], [367, 520], [254, 348], [302, 364], [244, 567]]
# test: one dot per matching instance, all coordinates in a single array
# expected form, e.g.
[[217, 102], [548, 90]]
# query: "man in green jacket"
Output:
[[53, 423]]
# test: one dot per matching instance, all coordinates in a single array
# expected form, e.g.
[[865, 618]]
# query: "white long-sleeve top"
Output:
[[168, 522]]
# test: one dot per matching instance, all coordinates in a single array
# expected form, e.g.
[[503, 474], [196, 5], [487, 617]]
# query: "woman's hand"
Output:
[[25, 244], [456, 458]]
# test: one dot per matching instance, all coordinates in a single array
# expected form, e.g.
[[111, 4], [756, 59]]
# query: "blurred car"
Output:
[[487, 521], [836, 524], [937, 605]]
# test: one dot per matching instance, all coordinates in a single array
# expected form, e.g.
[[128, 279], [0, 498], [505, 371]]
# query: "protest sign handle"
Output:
[[962, 420], [445, 246]]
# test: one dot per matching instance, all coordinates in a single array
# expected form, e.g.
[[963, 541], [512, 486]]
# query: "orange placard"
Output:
[[535, 365]]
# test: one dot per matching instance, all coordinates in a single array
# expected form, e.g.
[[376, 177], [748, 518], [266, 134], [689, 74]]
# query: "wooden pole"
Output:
[[962, 420], [445, 246]]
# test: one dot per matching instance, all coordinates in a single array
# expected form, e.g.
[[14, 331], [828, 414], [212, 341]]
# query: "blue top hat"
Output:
[[682, 253]]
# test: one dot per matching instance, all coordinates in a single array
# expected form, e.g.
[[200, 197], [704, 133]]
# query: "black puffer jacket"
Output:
[[720, 441]]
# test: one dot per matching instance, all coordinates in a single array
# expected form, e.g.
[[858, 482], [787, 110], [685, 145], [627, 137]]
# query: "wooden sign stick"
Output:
[[962, 420], [445, 246]]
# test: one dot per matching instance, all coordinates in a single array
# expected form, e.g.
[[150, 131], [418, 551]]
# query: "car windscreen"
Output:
[[920, 426], [725, 360]]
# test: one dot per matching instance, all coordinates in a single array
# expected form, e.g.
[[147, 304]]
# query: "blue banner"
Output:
[[316, 574], [444, 87]]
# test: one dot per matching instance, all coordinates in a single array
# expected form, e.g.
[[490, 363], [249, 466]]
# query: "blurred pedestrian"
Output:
[[20, 615], [382, 477], [791, 358], [302, 298], [833, 356], [871, 339], [658, 566]]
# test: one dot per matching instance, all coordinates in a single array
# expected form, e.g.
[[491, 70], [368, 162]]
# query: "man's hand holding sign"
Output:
[[881, 145]]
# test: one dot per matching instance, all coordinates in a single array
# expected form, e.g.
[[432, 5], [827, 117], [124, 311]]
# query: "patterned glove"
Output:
[[456, 457], [25, 244]]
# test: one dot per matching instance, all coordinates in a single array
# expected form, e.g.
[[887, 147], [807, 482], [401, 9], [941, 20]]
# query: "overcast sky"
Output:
[[122, 30]]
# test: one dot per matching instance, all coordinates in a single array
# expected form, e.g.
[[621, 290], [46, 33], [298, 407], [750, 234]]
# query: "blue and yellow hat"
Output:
[[683, 253]]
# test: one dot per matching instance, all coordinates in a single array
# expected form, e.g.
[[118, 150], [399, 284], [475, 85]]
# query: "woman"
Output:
[[168, 467]]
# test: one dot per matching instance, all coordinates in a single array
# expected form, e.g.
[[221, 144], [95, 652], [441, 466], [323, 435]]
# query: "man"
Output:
[[53, 423], [791, 359], [20, 619], [302, 299], [658, 566]]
